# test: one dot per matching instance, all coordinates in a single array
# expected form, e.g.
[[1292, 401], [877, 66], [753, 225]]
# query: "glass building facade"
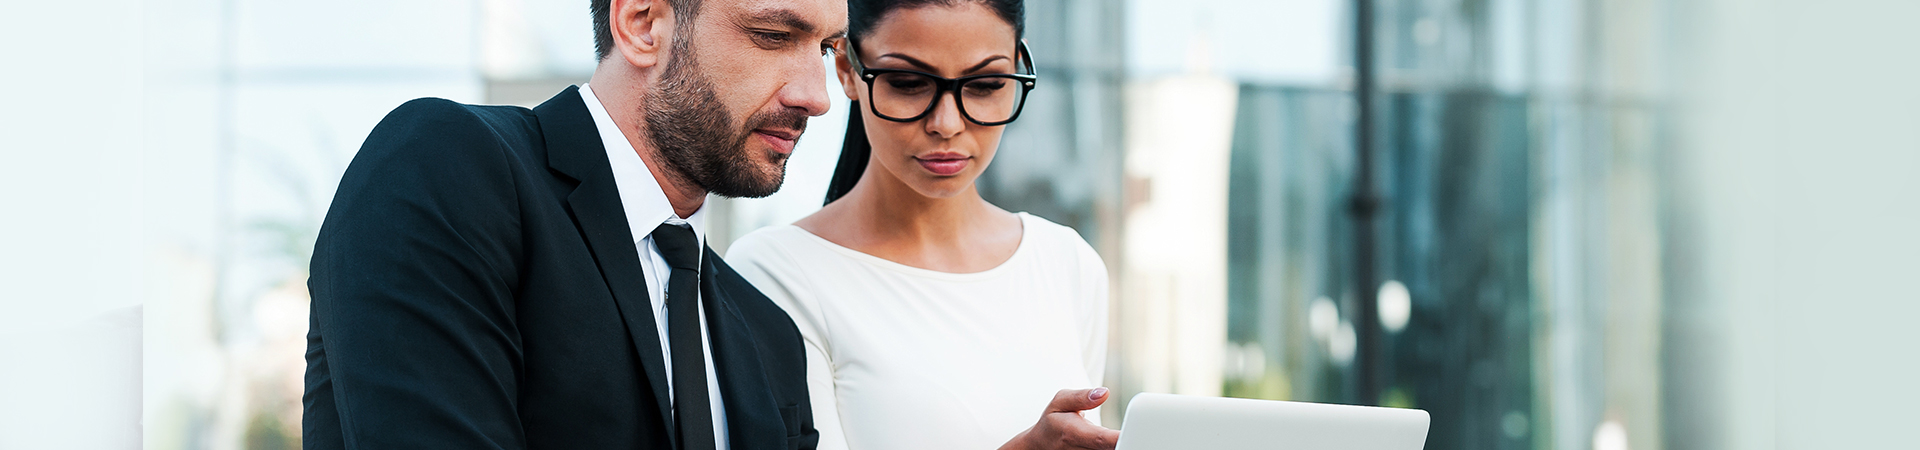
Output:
[[1558, 259], [1518, 161]]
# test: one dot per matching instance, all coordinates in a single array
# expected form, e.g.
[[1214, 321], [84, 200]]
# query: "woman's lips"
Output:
[[944, 165]]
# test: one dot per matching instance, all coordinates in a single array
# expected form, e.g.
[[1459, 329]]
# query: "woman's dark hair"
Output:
[[862, 16]]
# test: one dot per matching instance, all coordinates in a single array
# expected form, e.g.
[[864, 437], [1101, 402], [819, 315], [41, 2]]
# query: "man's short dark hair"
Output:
[[683, 12]]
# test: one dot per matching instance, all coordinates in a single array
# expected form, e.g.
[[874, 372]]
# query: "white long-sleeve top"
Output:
[[902, 357]]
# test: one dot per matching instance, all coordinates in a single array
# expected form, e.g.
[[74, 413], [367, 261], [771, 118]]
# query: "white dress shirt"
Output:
[[647, 207]]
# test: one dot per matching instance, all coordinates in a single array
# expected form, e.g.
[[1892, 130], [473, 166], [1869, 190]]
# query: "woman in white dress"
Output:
[[933, 319]]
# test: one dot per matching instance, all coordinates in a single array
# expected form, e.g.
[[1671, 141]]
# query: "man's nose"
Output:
[[806, 87]]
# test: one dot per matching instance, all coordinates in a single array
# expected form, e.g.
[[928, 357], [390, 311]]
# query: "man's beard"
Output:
[[696, 136]]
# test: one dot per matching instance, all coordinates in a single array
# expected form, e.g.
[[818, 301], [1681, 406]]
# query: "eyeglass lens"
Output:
[[902, 95]]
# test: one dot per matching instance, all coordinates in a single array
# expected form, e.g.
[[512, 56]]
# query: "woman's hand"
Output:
[[1062, 427]]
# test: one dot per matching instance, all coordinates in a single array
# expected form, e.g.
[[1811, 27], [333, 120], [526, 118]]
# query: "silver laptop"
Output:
[[1169, 422]]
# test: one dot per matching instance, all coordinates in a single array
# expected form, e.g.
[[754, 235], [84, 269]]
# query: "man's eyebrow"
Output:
[[923, 66], [785, 18]]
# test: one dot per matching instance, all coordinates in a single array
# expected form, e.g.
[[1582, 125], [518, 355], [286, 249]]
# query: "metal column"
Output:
[[1364, 206]]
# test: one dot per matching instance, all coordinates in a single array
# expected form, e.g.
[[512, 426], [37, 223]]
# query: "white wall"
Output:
[[70, 224], [1803, 159]]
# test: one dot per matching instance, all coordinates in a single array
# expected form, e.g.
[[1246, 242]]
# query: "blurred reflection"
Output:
[[1519, 229], [1520, 157]]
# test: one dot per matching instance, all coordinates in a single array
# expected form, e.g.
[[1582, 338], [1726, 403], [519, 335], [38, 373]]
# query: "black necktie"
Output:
[[693, 417]]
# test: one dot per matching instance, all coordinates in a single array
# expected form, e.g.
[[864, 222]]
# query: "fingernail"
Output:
[[1097, 394]]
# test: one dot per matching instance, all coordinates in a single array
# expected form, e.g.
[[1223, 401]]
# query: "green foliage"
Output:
[[267, 432]]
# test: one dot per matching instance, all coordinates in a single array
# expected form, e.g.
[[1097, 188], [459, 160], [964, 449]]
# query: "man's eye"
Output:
[[771, 39]]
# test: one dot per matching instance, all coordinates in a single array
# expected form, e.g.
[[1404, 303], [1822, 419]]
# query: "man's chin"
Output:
[[759, 191], [766, 178], [769, 182]]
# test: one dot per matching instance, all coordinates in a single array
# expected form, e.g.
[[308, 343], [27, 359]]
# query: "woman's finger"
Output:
[[1077, 432], [1076, 400]]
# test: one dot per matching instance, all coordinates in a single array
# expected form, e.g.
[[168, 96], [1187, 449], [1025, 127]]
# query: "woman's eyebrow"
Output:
[[983, 63], [922, 65]]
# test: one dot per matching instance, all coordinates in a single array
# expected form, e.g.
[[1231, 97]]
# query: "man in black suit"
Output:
[[495, 277]]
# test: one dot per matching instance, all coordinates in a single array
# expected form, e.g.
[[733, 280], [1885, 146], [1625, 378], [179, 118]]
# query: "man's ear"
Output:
[[641, 30], [849, 82]]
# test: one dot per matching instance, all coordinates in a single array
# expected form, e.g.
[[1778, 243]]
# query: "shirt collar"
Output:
[[646, 204]]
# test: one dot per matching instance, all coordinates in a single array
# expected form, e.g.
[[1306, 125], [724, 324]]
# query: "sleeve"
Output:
[[412, 341], [1094, 282], [776, 275], [1093, 310]]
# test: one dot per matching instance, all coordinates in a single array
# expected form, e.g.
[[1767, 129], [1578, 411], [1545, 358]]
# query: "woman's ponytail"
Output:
[[854, 151]]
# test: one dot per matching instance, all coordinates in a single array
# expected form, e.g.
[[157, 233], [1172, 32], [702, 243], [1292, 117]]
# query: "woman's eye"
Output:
[[985, 87], [907, 85]]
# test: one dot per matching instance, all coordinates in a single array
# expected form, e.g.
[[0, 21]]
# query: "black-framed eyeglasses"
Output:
[[909, 95]]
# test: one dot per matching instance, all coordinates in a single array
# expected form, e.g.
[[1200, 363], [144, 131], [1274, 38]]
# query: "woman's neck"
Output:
[[884, 217], [903, 213]]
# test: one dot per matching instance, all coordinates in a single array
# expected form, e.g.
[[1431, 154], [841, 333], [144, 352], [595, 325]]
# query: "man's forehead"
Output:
[[807, 16]]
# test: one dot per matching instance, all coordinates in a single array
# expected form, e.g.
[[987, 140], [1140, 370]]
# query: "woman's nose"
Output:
[[945, 121]]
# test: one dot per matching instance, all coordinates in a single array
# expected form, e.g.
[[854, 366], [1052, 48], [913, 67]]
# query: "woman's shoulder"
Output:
[[1062, 255], [758, 242], [769, 258], [768, 248], [1060, 241], [789, 250]]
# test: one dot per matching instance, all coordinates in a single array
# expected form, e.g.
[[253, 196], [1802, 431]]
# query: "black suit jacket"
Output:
[[476, 286]]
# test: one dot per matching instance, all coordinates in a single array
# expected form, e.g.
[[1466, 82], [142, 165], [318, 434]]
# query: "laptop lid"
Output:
[[1169, 422]]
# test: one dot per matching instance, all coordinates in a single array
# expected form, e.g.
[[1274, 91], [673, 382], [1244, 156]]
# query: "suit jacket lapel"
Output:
[[753, 418], [574, 149]]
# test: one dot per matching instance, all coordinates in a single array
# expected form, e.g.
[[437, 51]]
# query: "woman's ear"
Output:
[[849, 81], [641, 29]]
